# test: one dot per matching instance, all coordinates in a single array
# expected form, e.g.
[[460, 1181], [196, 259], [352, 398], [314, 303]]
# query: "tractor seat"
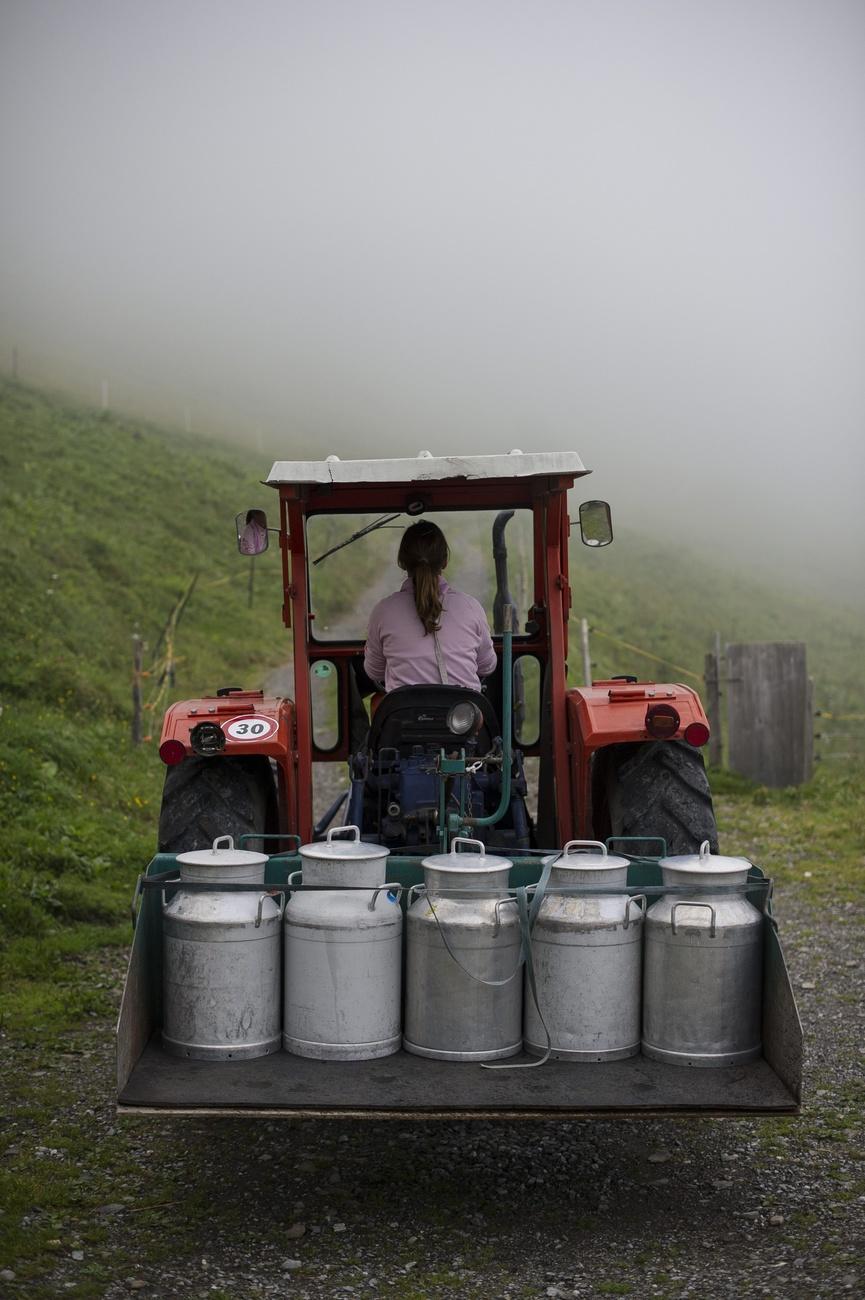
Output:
[[414, 716]]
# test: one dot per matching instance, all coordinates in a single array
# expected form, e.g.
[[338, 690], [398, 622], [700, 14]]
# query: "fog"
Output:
[[633, 228]]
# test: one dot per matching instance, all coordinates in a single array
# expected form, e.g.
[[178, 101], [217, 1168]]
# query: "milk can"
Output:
[[587, 956], [463, 981], [343, 953], [221, 959], [702, 983]]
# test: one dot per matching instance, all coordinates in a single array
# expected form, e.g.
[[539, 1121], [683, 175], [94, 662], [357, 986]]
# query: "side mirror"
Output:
[[596, 525], [252, 535]]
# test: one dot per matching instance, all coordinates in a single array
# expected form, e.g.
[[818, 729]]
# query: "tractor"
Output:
[[619, 757], [524, 765]]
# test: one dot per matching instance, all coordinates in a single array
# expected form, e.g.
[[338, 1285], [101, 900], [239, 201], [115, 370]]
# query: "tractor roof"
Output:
[[427, 468]]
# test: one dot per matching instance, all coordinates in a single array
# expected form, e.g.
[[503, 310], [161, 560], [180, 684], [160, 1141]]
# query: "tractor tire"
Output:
[[204, 798], [660, 788]]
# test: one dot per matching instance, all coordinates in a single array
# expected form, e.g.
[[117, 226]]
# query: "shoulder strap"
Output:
[[443, 672]]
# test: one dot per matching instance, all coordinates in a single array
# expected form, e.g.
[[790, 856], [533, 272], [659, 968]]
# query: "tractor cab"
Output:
[[427, 761]]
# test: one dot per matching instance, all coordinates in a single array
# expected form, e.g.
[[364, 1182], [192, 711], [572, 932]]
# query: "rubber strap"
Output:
[[527, 956]]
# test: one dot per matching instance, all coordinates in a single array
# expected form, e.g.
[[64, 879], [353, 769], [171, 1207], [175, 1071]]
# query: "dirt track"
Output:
[[653, 1208]]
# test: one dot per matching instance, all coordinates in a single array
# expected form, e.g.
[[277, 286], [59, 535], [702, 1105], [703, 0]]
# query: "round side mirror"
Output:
[[252, 535], [596, 525]]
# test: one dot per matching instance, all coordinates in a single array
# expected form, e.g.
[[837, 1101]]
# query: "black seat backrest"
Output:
[[417, 715]]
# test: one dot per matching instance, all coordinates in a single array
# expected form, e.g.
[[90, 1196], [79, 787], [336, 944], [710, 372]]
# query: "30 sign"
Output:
[[252, 727]]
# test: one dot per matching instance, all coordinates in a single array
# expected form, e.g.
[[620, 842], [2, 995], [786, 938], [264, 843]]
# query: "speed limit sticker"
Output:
[[252, 727]]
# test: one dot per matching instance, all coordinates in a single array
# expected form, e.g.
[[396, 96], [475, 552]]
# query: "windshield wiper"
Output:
[[361, 532]]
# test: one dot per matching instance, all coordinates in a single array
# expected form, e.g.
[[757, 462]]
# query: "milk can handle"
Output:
[[390, 888], [222, 839], [682, 903], [341, 830], [262, 897], [292, 875], [410, 895], [464, 839], [497, 923], [584, 844], [635, 898], [705, 850]]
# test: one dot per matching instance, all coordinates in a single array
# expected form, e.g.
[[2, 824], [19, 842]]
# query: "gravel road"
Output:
[[702, 1208]]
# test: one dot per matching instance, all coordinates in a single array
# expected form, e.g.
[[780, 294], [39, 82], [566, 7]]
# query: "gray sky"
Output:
[[630, 227]]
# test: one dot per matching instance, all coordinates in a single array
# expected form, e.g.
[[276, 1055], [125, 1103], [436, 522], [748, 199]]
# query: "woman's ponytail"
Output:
[[423, 553]]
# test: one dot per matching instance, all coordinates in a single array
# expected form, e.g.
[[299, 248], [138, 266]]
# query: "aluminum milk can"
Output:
[[702, 983], [221, 959], [464, 988], [587, 957], [343, 953]]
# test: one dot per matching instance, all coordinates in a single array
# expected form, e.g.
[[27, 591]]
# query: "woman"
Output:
[[427, 631]]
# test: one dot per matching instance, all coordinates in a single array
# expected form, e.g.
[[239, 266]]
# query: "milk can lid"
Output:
[[332, 848], [467, 862], [575, 856], [713, 864], [222, 857]]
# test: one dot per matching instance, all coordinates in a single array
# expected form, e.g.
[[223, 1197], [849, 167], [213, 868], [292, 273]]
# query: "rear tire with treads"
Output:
[[204, 798], [660, 788]]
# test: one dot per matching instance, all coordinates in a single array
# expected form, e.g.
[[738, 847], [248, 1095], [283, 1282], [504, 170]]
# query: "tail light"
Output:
[[172, 752], [696, 734], [662, 721]]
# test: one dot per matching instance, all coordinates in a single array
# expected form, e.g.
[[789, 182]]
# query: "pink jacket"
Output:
[[400, 653]]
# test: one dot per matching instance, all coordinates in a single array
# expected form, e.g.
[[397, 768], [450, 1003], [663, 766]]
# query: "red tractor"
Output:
[[525, 765], [617, 758]]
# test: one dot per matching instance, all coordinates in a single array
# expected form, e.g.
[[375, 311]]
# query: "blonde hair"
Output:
[[423, 553]]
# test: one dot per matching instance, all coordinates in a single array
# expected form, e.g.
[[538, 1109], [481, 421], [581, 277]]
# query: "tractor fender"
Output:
[[251, 724], [610, 715], [614, 712]]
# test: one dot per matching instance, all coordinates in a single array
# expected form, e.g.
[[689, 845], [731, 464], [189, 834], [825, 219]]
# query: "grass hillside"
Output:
[[105, 523], [670, 603]]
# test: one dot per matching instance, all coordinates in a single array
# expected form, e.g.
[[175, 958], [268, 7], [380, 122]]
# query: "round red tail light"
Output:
[[696, 733], [172, 752], [662, 721]]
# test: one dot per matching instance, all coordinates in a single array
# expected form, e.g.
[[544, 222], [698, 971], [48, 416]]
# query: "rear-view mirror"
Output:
[[252, 536], [596, 524]]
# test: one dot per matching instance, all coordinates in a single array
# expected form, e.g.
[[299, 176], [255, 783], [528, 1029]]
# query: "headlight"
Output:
[[464, 718]]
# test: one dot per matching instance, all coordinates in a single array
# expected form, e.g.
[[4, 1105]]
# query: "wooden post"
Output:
[[770, 712], [808, 760], [713, 702], [584, 647], [137, 662]]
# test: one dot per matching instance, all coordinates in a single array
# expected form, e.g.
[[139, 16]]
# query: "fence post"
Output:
[[137, 661], [713, 702]]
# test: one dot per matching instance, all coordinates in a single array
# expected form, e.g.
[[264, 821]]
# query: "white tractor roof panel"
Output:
[[426, 468]]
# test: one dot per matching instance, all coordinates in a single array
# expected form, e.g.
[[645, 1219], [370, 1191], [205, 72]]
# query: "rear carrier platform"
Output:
[[150, 1080]]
